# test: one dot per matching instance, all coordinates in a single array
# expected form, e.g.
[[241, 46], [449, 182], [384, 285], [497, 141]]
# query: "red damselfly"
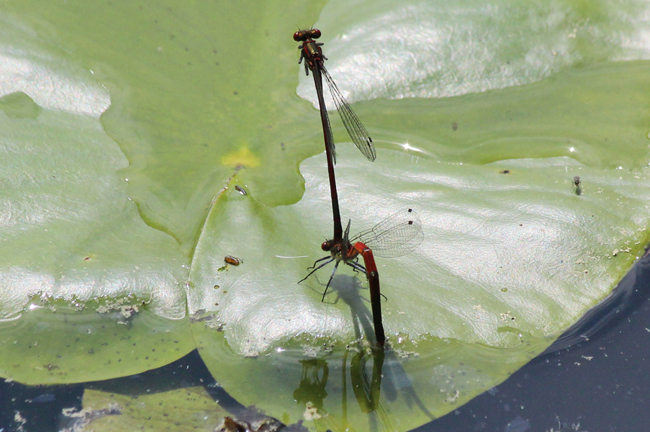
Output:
[[395, 236], [312, 54]]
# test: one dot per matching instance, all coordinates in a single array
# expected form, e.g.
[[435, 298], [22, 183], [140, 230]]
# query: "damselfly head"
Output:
[[303, 35], [300, 36], [328, 245]]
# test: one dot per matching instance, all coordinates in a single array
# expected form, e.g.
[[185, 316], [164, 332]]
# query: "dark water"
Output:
[[593, 379]]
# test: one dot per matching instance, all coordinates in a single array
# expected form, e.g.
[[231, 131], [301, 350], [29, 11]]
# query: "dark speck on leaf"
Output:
[[576, 184], [504, 172]]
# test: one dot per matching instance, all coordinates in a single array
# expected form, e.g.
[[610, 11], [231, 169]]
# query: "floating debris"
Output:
[[268, 424]]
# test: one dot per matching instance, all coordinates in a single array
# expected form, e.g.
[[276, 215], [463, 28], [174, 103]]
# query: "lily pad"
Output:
[[188, 409], [513, 254], [508, 262], [135, 203], [71, 235], [54, 343]]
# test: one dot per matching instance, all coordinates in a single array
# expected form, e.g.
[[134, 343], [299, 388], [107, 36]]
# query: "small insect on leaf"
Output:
[[232, 260]]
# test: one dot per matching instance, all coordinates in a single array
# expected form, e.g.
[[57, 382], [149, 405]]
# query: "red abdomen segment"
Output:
[[375, 295]]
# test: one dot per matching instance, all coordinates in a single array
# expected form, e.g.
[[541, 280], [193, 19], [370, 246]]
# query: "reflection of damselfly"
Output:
[[395, 236]]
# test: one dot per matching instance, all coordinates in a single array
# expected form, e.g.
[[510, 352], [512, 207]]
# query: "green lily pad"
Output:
[[54, 343], [513, 254], [110, 207], [411, 49], [71, 235], [133, 206], [465, 309], [188, 409]]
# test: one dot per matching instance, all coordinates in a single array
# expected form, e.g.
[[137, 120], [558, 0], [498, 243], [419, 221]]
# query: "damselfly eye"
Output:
[[314, 33], [327, 246], [299, 36]]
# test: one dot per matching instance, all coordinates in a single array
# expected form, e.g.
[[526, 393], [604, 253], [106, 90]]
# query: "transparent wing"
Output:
[[355, 128], [395, 236]]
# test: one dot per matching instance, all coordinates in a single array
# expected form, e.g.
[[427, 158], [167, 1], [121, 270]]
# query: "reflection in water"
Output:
[[357, 377], [311, 390], [366, 392], [313, 381]]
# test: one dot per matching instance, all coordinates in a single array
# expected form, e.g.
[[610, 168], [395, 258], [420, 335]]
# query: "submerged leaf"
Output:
[[188, 409]]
